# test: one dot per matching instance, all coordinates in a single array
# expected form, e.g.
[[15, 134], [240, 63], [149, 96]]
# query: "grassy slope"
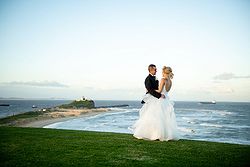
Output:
[[49, 147], [10, 120]]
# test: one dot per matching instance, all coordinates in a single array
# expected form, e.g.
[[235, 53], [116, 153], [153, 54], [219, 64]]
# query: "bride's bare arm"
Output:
[[161, 85], [168, 85]]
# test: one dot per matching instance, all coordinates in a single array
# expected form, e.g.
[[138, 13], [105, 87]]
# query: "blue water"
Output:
[[223, 122]]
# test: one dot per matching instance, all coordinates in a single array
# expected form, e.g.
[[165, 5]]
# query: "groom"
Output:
[[151, 83]]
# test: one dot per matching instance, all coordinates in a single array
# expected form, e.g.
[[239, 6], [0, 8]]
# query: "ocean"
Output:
[[227, 122]]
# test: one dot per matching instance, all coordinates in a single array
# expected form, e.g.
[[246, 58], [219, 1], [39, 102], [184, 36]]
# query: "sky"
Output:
[[101, 49]]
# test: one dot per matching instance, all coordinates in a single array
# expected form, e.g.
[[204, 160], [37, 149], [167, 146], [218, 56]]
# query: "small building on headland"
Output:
[[83, 99]]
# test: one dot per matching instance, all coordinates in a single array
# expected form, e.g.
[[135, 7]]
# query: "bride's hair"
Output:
[[168, 70]]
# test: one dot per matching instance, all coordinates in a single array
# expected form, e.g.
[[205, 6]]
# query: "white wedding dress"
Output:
[[156, 119]]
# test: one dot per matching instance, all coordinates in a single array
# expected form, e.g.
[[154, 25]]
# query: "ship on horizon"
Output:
[[207, 102]]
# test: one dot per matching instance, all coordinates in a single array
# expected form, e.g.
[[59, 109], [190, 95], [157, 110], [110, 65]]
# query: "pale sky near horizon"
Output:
[[101, 49]]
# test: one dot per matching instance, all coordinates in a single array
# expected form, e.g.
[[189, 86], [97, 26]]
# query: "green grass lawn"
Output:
[[48, 147]]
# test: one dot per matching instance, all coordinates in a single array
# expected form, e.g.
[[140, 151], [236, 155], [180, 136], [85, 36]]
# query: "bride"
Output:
[[157, 118]]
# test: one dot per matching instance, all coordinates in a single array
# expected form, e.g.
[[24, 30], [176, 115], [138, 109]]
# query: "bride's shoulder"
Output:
[[163, 79]]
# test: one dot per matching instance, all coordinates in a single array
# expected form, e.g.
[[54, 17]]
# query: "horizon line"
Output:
[[53, 98]]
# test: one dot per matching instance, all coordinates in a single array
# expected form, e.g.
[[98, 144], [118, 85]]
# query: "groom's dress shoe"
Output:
[[142, 102]]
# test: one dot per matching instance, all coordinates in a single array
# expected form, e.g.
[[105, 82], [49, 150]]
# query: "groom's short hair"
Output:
[[150, 66]]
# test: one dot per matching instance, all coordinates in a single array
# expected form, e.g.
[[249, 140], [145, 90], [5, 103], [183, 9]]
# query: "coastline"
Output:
[[48, 121], [49, 117], [119, 119]]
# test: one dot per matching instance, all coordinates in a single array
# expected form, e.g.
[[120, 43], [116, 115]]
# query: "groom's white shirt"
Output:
[[151, 74]]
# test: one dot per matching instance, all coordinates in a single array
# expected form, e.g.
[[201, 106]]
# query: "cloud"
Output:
[[228, 76], [36, 84]]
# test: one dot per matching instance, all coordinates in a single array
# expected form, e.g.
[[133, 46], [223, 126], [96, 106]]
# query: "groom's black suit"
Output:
[[151, 85]]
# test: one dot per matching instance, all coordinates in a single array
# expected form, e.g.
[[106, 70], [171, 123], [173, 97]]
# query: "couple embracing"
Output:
[[156, 117]]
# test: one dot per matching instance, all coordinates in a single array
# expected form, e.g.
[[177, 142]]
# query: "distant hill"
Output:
[[77, 104], [11, 98]]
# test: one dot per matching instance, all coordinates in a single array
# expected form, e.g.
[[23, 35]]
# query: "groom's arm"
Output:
[[148, 85]]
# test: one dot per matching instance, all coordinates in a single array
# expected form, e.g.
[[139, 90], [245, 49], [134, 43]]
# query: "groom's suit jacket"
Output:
[[151, 85]]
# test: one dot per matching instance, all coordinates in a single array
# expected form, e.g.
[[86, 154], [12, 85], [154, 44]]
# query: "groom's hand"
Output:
[[163, 96]]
